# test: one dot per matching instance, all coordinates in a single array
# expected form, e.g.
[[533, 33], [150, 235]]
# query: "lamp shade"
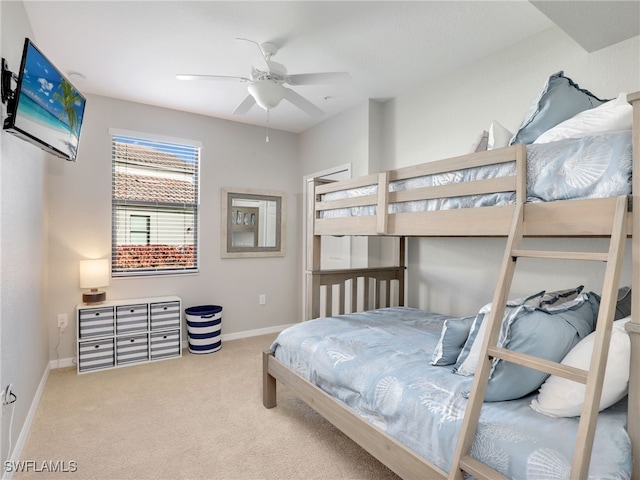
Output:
[[94, 273]]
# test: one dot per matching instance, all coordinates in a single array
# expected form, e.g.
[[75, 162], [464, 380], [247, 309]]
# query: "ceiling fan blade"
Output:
[[327, 78], [186, 76], [245, 105], [302, 103], [266, 60]]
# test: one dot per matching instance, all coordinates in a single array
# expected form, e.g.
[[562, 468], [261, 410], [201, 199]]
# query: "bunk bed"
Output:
[[409, 202]]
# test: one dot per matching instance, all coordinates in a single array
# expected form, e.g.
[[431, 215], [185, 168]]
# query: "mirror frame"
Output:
[[226, 249]]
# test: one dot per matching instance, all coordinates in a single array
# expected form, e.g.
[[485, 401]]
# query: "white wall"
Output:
[[442, 119], [23, 224], [341, 139], [233, 155]]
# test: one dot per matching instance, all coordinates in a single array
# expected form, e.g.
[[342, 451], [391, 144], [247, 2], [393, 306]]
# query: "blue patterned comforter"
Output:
[[377, 363]]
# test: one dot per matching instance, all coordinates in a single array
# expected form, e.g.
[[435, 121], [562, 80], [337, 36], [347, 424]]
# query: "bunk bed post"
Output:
[[383, 203], [269, 398], [313, 254], [633, 327], [402, 252]]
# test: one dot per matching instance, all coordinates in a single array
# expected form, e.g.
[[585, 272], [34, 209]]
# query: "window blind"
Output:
[[155, 192]]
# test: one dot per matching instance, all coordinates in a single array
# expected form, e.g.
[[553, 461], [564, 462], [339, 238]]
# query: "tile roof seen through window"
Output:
[[138, 154], [145, 174], [144, 188]]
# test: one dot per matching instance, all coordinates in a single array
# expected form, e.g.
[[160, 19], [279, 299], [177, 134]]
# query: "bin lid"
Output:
[[203, 310]]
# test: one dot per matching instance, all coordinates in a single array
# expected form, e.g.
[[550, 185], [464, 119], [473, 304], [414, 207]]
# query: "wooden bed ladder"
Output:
[[593, 378]]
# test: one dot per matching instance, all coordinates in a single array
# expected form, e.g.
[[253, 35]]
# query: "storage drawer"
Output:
[[165, 344], [95, 354], [131, 318], [165, 315], [95, 322], [134, 348]]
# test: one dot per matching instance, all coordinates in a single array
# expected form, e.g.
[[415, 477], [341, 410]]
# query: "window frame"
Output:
[[126, 208]]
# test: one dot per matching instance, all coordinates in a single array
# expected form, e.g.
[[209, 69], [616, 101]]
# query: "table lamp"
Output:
[[94, 274]]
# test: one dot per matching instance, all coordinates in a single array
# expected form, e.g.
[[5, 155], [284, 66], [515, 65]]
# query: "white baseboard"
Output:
[[254, 333], [246, 334], [70, 361], [15, 455], [62, 363]]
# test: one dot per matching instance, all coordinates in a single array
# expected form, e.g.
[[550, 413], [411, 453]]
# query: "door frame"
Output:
[[347, 170]]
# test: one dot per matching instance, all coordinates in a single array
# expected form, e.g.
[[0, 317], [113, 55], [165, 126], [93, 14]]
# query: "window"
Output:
[[140, 229], [154, 205]]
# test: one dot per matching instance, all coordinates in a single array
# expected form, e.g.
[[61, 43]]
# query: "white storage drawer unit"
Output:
[[130, 349], [165, 315], [96, 322], [132, 318], [164, 344], [126, 332], [95, 355]]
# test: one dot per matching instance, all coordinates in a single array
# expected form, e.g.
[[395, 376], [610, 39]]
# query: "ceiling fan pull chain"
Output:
[[267, 139]]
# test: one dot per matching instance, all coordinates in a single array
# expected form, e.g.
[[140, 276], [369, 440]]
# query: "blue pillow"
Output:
[[468, 359], [559, 100], [623, 305], [452, 338], [554, 299], [548, 333]]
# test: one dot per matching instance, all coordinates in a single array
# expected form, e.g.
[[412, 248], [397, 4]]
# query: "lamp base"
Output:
[[93, 297]]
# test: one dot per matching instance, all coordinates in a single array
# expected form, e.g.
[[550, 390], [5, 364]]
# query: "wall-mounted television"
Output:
[[45, 108]]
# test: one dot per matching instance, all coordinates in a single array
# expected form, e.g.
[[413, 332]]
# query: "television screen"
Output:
[[46, 109]]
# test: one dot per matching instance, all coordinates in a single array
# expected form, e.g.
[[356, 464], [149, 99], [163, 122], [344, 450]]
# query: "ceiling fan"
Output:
[[266, 84]]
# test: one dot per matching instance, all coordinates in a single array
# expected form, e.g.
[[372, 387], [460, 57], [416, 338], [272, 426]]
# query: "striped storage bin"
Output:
[[96, 322], [95, 354], [132, 349], [165, 315], [204, 327], [131, 318], [165, 344]]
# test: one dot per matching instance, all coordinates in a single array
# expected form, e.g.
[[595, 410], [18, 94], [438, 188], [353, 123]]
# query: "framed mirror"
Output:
[[252, 223]]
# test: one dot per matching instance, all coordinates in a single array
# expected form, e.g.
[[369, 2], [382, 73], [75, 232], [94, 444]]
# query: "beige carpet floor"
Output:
[[196, 417]]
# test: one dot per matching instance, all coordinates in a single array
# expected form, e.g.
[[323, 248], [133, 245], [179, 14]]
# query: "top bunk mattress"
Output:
[[596, 166], [378, 364]]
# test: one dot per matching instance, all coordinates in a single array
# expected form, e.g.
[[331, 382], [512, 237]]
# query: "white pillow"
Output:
[[498, 136], [480, 145], [559, 397], [611, 116]]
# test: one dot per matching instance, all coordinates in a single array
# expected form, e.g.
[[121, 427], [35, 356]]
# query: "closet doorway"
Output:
[[336, 251]]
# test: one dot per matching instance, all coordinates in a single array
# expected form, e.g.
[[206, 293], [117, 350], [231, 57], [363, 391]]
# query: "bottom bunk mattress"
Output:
[[378, 364]]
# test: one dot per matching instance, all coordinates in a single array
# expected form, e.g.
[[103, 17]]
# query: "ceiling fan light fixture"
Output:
[[267, 94]]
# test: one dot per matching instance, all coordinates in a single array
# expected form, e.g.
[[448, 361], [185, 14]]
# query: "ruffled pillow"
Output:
[[468, 359], [613, 116], [452, 338], [560, 99]]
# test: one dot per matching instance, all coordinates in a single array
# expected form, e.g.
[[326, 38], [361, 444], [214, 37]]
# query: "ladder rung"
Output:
[[557, 255], [480, 470], [540, 364]]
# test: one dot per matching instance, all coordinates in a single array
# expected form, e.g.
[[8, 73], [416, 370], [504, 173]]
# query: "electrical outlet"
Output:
[[262, 299], [63, 321]]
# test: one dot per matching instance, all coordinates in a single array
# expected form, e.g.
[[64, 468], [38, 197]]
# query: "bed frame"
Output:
[[559, 218]]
